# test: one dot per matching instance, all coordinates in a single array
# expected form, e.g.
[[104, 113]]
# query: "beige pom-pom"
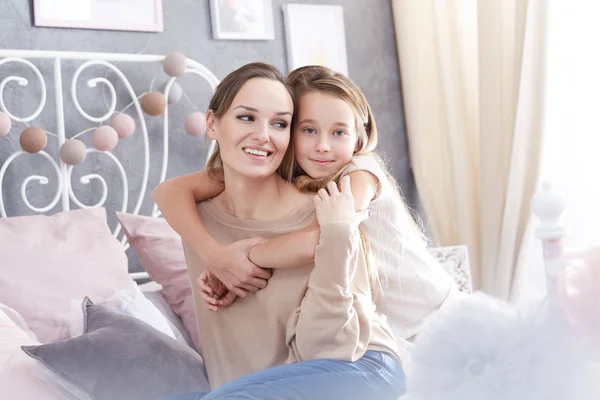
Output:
[[73, 152], [154, 103], [175, 94], [175, 64], [33, 139]]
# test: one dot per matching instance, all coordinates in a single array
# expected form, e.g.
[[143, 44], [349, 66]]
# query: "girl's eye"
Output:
[[281, 124], [310, 131], [247, 118], [339, 132]]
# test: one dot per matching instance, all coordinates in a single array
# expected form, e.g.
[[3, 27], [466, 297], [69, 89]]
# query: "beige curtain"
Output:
[[473, 79]]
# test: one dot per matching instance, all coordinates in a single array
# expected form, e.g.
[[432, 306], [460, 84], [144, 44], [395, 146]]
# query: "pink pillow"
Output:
[[160, 251], [11, 338], [49, 260], [17, 371]]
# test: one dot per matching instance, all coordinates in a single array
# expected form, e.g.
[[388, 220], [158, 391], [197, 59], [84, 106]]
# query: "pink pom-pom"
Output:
[[73, 152], [175, 64], [124, 125], [195, 124], [105, 138], [5, 124]]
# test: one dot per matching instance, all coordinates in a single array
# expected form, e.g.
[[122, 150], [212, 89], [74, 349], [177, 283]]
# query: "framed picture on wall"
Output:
[[242, 19], [121, 15], [315, 35]]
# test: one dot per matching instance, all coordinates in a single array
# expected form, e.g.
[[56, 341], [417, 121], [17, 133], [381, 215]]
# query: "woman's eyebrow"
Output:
[[255, 110], [247, 108]]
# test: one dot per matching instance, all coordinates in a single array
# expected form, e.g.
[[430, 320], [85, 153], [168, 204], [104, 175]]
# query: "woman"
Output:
[[312, 332]]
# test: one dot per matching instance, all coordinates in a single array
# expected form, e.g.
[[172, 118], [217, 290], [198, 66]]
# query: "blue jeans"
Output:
[[377, 375]]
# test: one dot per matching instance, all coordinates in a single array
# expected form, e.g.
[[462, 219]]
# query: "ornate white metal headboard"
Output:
[[63, 171]]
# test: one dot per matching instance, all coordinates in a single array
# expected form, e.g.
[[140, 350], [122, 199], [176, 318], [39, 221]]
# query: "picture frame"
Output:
[[121, 15], [242, 19], [306, 46]]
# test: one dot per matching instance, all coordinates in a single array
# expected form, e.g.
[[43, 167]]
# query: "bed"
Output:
[[69, 305]]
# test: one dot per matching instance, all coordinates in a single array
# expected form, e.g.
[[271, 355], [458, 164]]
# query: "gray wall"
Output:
[[372, 60]]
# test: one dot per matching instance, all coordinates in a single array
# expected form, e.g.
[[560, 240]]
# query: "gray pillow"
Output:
[[175, 322], [120, 357]]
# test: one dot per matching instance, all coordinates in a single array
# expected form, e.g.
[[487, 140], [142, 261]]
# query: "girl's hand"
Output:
[[337, 206], [214, 293]]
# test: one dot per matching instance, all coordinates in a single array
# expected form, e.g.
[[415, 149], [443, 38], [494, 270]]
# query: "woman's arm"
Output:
[[334, 319], [298, 248], [177, 199]]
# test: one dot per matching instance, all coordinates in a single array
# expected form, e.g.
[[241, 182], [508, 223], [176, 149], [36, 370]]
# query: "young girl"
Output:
[[334, 135]]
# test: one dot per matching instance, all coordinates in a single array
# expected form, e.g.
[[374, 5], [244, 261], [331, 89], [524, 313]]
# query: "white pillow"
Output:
[[131, 302], [18, 320], [150, 287]]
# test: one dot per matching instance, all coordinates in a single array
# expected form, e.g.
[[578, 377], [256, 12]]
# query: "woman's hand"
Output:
[[214, 293], [337, 206], [230, 265]]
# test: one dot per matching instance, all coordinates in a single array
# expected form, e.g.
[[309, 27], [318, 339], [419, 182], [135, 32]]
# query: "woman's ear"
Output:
[[211, 121]]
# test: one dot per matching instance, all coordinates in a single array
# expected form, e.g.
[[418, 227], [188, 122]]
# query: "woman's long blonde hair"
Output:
[[322, 79]]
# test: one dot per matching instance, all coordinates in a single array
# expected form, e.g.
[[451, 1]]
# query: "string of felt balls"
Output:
[[122, 126]]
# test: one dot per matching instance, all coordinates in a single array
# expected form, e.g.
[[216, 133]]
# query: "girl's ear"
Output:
[[211, 121]]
